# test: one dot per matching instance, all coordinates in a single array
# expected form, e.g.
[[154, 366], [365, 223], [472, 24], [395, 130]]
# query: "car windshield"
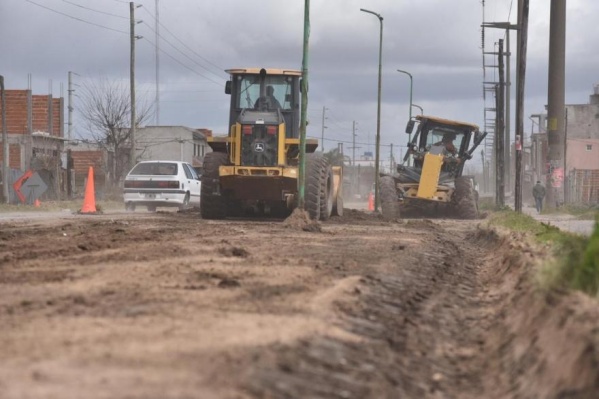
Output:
[[155, 168]]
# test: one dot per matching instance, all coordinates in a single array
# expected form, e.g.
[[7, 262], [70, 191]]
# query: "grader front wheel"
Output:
[[389, 199]]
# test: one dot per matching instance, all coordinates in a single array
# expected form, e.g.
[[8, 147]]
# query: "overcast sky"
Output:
[[437, 41]]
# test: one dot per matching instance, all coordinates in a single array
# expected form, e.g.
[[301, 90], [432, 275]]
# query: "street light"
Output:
[[411, 87], [419, 107], [378, 115]]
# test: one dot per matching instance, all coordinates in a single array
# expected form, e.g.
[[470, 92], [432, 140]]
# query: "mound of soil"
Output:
[[300, 220]]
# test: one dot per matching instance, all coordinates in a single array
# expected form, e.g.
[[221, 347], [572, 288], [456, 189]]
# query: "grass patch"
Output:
[[575, 263]]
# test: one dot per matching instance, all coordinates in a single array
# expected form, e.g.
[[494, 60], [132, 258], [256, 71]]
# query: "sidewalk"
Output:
[[561, 221]]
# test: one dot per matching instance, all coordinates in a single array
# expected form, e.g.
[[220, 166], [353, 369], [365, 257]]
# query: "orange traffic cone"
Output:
[[89, 200], [37, 203], [371, 202]]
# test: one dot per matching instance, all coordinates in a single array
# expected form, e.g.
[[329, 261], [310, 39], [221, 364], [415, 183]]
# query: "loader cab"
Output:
[[265, 94]]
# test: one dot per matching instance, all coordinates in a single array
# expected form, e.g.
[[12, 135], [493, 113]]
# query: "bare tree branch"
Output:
[[106, 110]]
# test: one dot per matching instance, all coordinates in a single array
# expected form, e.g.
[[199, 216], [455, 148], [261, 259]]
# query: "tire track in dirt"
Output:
[[449, 321], [358, 308]]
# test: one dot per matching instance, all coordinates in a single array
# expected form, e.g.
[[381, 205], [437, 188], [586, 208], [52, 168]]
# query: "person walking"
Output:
[[538, 192]]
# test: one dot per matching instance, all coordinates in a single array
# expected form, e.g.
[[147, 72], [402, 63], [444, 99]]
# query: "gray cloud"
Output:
[[438, 41]]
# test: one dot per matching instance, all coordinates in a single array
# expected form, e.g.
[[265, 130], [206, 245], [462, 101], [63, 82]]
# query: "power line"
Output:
[[219, 68], [183, 65], [77, 19], [181, 52], [91, 9]]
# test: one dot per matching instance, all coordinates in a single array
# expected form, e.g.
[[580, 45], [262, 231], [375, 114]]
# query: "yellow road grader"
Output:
[[431, 180], [254, 170]]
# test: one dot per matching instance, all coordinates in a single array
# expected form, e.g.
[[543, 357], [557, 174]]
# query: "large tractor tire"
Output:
[[338, 191], [315, 162], [389, 199], [338, 205], [327, 191], [212, 204], [466, 206]]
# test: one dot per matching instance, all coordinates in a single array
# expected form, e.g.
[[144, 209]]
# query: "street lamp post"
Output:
[[411, 87], [410, 107], [419, 107], [378, 116]]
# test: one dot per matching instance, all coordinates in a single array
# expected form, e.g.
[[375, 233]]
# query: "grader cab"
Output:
[[255, 168], [431, 180]]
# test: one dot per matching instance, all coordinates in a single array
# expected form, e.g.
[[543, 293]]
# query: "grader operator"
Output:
[[255, 169], [431, 179]]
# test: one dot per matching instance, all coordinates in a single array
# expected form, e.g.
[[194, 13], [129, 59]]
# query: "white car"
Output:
[[162, 183]]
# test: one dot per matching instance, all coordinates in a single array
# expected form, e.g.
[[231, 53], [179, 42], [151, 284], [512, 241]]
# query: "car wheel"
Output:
[[185, 203], [151, 208], [130, 206]]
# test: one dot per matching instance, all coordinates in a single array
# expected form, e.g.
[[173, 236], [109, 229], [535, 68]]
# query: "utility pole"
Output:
[[508, 92], [508, 118], [132, 8], [391, 159], [324, 109], [156, 25], [355, 182], [5, 152], [499, 160], [482, 156], [556, 100], [353, 146], [523, 7], [70, 108], [304, 107], [499, 133]]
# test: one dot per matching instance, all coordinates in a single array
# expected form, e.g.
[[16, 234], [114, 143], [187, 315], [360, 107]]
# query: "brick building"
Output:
[[35, 130]]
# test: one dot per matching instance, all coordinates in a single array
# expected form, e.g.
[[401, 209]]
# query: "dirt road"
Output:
[[168, 305]]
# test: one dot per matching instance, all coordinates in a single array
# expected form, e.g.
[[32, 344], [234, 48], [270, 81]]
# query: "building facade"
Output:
[[172, 143], [581, 171], [35, 131]]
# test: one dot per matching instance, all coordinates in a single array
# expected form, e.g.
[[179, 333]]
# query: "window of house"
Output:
[[198, 150], [589, 147]]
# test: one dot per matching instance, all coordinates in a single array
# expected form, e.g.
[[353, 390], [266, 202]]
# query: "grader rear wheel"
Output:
[[465, 204]]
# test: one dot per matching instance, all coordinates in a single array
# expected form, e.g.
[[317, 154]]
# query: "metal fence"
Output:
[[583, 187]]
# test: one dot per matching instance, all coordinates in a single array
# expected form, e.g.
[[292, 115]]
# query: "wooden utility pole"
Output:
[[556, 101], [5, 152], [523, 6], [132, 84], [324, 110], [482, 157], [70, 107], [500, 132], [353, 147]]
